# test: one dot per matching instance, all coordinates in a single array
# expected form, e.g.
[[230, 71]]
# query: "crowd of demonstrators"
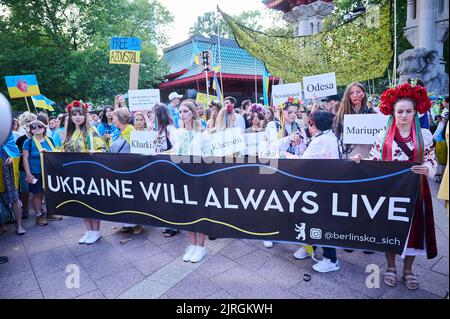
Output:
[[292, 130]]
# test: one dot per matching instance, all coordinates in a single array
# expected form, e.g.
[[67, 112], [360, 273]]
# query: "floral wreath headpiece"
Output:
[[412, 91], [256, 108], [289, 102], [77, 103]]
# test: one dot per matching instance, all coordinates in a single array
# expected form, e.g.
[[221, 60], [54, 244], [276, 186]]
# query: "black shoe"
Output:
[[348, 250], [368, 252], [170, 232], [3, 259], [212, 238]]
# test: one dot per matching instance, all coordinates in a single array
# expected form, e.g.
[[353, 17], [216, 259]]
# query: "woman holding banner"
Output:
[[404, 140], [121, 120], [81, 138], [190, 125]]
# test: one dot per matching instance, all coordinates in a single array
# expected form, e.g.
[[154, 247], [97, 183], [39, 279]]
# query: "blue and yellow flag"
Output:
[[216, 86], [266, 87], [196, 53], [22, 85], [42, 102]]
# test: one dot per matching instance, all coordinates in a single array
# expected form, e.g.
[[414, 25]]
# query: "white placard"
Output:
[[256, 143], [143, 142], [363, 128], [281, 93], [143, 99], [320, 85], [223, 143]]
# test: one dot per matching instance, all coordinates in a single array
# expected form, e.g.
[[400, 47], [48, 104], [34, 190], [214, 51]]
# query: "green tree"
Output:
[[268, 21], [66, 44]]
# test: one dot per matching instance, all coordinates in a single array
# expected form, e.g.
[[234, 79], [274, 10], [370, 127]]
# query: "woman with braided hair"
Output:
[[405, 140]]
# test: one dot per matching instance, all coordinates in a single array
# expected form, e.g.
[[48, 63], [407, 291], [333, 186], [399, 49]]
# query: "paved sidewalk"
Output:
[[150, 266]]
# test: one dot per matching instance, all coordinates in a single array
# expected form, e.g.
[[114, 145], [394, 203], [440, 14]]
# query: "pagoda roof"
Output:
[[234, 60]]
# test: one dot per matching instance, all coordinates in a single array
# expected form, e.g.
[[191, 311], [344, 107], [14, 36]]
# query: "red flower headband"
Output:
[[77, 103], [416, 92]]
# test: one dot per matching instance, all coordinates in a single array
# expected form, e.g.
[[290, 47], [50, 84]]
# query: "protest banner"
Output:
[[363, 128], [125, 50], [317, 202], [281, 92], [227, 142], [255, 144], [143, 142], [143, 99], [320, 85], [22, 86]]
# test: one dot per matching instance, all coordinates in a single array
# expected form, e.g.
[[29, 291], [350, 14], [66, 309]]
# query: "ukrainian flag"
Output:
[[42, 102], [216, 87], [196, 53], [266, 87], [22, 86]]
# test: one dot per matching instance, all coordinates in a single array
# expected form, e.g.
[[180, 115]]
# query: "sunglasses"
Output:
[[35, 127]]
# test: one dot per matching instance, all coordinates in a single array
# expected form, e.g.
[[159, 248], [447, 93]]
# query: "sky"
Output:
[[186, 12]]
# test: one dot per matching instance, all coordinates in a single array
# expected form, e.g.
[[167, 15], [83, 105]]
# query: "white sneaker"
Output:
[[198, 255], [189, 252], [325, 265], [94, 237], [267, 244], [85, 237], [301, 253]]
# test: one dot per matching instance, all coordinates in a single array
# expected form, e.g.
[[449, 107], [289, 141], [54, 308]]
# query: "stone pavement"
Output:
[[150, 266]]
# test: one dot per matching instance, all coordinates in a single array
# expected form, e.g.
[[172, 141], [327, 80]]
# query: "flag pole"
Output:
[[220, 55], [28, 106]]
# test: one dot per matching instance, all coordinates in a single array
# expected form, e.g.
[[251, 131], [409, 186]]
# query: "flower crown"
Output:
[[289, 102], [77, 103], [412, 91], [256, 108]]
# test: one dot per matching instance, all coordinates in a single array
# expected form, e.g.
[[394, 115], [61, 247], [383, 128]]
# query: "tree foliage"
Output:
[[66, 44], [268, 21]]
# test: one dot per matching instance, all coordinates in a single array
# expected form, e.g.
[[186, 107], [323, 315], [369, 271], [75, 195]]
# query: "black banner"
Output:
[[319, 202]]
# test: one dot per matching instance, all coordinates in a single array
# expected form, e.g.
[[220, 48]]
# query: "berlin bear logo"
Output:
[[300, 229]]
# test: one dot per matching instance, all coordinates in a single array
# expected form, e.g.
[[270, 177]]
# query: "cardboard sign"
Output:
[[203, 98], [22, 85], [143, 99], [320, 85], [223, 143], [363, 128], [281, 93], [124, 50], [143, 142]]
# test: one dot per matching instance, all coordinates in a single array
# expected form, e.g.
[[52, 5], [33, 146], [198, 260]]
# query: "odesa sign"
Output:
[[125, 50]]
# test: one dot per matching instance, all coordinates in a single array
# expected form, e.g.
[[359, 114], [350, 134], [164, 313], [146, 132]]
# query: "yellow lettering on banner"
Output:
[[124, 57]]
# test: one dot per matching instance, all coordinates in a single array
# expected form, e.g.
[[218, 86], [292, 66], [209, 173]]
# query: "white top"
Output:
[[239, 121], [322, 146]]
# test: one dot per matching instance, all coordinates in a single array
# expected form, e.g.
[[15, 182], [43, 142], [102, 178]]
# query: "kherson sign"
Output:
[[319, 202], [124, 50]]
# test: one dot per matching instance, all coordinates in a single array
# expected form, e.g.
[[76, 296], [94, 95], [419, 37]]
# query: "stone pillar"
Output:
[[302, 16], [427, 24]]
